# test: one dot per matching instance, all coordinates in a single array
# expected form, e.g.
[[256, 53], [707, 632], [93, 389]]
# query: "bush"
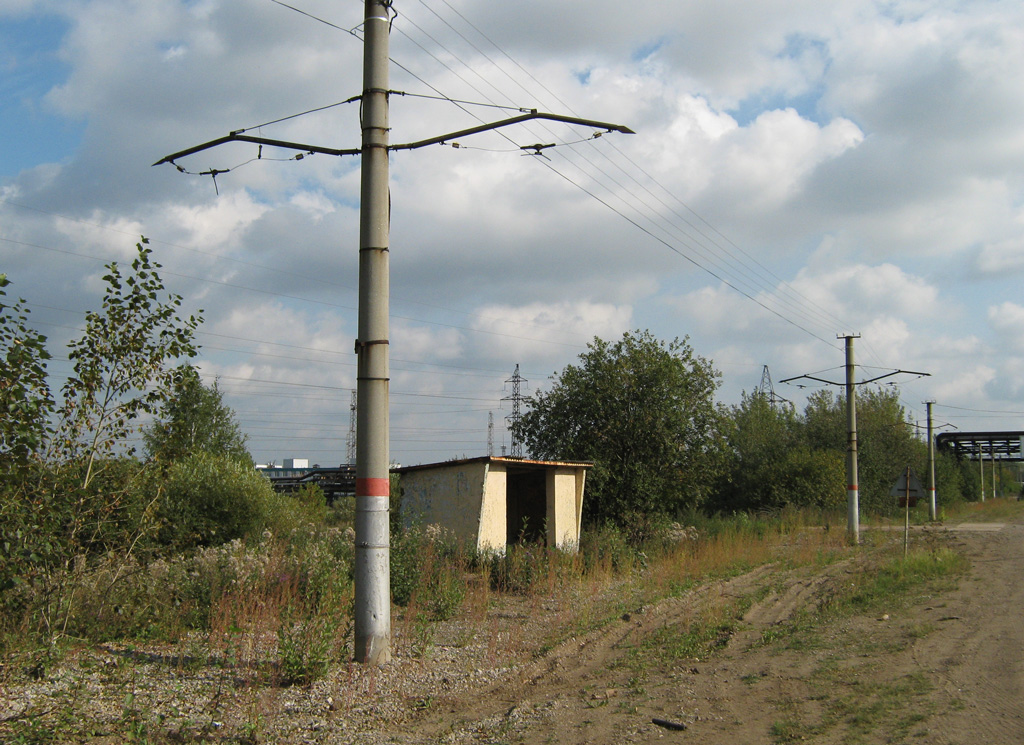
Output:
[[428, 570], [209, 499]]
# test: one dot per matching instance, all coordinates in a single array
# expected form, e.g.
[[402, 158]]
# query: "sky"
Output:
[[799, 170]]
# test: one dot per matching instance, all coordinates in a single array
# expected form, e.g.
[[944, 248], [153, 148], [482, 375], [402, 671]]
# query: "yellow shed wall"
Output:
[[448, 496]]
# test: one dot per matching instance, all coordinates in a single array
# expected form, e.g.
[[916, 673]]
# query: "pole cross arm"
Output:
[[514, 120], [810, 377], [861, 382], [240, 137], [897, 372]]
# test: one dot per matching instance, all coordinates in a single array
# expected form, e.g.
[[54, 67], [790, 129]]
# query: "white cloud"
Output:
[[219, 223], [1002, 257], [1007, 320], [863, 293], [967, 387], [872, 153], [545, 331]]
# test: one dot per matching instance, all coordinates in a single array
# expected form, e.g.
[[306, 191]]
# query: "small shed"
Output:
[[494, 502]]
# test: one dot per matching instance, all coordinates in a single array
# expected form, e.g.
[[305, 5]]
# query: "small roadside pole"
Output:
[[906, 516], [907, 488]]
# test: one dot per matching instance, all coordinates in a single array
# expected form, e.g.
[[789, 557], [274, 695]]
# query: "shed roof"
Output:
[[511, 462]]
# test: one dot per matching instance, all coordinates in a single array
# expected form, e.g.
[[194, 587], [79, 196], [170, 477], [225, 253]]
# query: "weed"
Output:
[[308, 642], [789, 730]]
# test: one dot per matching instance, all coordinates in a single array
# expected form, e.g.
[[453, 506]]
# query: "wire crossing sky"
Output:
[[796, 172]]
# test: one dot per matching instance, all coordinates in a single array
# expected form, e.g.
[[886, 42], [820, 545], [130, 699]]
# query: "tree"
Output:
[[123, 364], [886, 445], [643, 411], [195, 419], [770, 464], [78, 491], [25, 400]]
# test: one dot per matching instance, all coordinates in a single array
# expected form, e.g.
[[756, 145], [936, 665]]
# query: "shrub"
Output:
[[208, 499], [428, 569]]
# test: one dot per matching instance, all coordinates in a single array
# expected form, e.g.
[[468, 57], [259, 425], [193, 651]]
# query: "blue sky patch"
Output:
[[645, 51], [753, 106], [29, 68]]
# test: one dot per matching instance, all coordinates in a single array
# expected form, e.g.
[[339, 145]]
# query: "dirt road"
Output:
[[946, 668]]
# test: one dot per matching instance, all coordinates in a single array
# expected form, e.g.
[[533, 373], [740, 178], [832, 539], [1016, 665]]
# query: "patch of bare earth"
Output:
[[943, 668]]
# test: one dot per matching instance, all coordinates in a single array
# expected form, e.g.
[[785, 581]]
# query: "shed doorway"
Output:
[[526, 508]]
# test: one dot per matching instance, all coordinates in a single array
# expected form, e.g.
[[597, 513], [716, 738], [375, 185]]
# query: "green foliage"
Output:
[[25, 400], [768, 467], [195, 419], [122, 365], [520, 568], [643, 411], [813, 478], [68, 485], [307, 644], [886, 445], [428, 571], [610, 548], [260, 585], [208, 499]]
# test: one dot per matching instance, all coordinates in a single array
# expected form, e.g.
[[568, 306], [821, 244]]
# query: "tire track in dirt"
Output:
[[582, 691]]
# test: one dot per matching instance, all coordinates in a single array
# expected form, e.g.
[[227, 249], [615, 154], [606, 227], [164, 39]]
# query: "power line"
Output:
[[732, 283]]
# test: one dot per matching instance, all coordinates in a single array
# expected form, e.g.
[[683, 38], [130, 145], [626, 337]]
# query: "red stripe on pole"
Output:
[[373, 487], [852, 488]]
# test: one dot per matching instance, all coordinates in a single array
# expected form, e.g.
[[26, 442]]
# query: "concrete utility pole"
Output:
[[852, 489], [373, 486], [932, 510], [373, 483]]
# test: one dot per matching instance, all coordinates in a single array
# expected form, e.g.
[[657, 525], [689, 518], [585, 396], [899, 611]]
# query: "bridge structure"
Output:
[[1007, 447]]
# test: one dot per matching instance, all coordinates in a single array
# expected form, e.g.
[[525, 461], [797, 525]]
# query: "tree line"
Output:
[[644, 412]]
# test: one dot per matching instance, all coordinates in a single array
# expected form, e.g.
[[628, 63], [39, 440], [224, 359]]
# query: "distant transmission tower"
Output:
[[490, 434], [767, 390], [513, 419], [350, 445]]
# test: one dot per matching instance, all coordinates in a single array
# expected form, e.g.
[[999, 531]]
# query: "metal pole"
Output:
[[992, 456], [373, 486], [981, 465], [852, 492], [932, 510]]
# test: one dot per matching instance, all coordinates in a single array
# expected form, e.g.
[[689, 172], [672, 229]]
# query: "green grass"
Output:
[[857, 704]]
